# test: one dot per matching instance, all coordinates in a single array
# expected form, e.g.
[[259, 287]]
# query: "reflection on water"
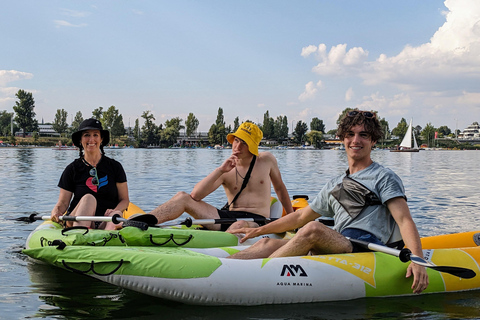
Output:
[[440, 185]]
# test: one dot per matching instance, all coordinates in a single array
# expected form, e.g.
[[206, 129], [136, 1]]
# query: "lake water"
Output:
[[442, 190]]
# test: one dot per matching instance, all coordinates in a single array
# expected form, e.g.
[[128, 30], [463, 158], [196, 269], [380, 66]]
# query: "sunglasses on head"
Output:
[[93, 173], [366, 114]]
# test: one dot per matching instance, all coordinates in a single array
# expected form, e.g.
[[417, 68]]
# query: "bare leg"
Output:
[[110, 225], [261, 249], [317, 238], [243, 224], [85, 207], [183, 202]]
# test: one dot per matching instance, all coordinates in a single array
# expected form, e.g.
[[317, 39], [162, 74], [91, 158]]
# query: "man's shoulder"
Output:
[[266, 156]]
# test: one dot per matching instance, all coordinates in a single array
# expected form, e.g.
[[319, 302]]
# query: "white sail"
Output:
[[407, 139]]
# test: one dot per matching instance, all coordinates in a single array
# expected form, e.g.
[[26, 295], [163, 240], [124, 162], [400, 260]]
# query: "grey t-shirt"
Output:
[[375, 219]]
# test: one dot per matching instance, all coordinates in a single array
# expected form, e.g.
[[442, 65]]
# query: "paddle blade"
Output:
[[149, 219], [456, 271], [31, 218]]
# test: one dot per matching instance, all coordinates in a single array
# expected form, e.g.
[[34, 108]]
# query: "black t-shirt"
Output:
[[76, 178]]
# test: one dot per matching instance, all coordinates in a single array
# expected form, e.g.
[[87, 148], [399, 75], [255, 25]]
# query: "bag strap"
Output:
[[244, 184]]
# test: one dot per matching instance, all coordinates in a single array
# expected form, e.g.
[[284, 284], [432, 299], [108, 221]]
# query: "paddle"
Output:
[[406, 255], [141, 221], [189, 221]]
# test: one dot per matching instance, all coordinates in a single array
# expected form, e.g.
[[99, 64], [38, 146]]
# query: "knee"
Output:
[[242, 224], [88, 199], [267, 243], [313, 229], [181, 196]]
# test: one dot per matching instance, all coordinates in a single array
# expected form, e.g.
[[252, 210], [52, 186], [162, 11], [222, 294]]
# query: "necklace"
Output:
[[88, 163], [238, 174]]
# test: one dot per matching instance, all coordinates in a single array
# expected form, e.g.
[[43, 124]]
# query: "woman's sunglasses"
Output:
[[366, 114], [93, 173]]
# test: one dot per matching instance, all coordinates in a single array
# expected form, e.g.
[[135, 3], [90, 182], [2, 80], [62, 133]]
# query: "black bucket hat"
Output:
[[90, 124]]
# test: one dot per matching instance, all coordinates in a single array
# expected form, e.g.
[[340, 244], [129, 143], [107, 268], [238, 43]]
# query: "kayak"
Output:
[[53, 234], [191, 266]]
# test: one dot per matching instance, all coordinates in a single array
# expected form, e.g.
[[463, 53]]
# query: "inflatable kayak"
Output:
[[52, 234], [198, 272]]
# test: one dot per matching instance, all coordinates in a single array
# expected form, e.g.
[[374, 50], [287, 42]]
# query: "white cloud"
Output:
[[338, 61], [7, 93], [7, 76], [349, 94], [63, 23], [75, 13], [440, 76], [311, 90], [305, 112], [452, 54], [306, 51], [469, 98]]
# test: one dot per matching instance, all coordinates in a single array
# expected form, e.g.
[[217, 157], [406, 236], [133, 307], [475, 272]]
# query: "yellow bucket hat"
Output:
[[250, 133]]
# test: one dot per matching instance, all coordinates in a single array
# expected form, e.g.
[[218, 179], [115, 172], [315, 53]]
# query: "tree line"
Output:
[[165, 135]]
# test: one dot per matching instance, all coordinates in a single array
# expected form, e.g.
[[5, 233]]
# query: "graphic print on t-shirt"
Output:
[[102, 182]]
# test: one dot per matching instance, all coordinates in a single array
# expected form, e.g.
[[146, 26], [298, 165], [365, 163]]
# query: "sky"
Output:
[[300, 59]]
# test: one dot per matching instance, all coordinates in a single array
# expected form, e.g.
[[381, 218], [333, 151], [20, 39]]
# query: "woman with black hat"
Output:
[[97, 183]]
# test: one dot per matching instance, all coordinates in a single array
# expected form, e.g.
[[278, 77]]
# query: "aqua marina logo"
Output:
[[293, 270]]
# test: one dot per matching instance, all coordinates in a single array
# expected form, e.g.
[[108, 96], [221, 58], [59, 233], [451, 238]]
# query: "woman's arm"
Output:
[[123, 198], [62, 204]]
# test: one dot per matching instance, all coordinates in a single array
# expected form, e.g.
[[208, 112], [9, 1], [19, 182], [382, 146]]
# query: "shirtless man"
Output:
[[254, 200], [375, 223]]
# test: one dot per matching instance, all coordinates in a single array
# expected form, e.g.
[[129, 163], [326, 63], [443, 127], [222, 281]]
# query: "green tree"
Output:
[[60, 122], [385, 128], [171, 132], [77, 121], [6, 123], [169, 135], [118, 127], [300, 131], [444, 131], [315, 138], [149, 129], [317, 125], [236, 124], [97, 114], [217, 132], [113, 121], [24, 110], [136, 131], [428, 134], [340, 117], [281, 128], [332, 132], [268, 127], [191, 124], [400, 129]]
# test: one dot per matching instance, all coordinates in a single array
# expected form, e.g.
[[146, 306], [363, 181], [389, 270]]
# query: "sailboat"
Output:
[[406, 145]]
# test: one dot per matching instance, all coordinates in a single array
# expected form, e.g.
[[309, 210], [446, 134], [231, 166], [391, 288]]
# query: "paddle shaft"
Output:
[[142, 221], [117, 219], [189, 221]]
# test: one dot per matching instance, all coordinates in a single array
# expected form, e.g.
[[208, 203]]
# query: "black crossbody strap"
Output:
[[244, 184]]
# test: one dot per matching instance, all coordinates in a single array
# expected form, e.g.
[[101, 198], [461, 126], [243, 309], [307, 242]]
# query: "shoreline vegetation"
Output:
[[20, 128], [125, 142]]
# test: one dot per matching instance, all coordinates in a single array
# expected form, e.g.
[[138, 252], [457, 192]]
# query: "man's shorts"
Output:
[[360, 235], [238, 214]]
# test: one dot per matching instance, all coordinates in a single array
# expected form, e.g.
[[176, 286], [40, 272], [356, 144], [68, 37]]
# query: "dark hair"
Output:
[[371, 124]]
